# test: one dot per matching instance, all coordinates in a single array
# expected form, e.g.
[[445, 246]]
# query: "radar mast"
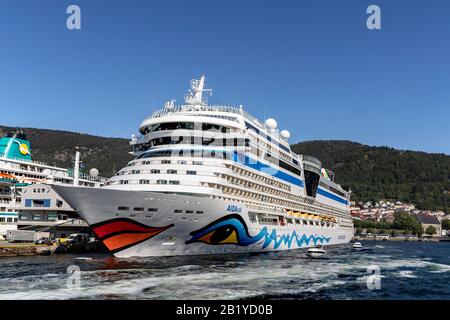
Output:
[[195, 96]]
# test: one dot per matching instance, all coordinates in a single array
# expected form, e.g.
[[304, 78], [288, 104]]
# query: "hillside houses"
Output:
[[385, 210]]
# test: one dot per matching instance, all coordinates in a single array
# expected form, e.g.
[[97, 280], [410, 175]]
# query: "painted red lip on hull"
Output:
[[119, 234]]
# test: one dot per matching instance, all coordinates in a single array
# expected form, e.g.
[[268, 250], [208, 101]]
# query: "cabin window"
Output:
[[52, 216], [123, 208]]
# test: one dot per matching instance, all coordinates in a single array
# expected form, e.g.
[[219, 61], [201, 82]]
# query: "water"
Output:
[[409, 270]]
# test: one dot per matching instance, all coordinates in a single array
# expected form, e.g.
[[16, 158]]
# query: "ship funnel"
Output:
[[15, 145]]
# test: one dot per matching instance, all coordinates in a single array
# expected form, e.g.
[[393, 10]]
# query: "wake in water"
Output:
[[407, 271]]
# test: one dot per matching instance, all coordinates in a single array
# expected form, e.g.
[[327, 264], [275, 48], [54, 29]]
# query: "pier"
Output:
[[24, 249]]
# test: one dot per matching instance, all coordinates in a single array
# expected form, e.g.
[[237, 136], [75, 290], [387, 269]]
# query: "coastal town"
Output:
[[384, 212]]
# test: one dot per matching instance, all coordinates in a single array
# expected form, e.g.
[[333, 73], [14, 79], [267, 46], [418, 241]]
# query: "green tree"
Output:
[[404, 221], [418, 231], [446, 224], [430, 230], [394, 233]]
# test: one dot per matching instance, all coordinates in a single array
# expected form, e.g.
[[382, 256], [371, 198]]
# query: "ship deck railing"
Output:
[[58, 174], [87, 177], [188, 108], [2, 155]]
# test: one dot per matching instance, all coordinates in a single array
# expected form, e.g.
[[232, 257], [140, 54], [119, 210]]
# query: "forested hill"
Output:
[[57, 148], [375, 173]]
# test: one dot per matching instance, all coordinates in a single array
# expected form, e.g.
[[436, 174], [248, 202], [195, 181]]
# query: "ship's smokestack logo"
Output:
[[23, 148]]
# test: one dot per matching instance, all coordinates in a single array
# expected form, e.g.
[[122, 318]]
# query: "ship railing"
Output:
[[57, 174], [87, 177], [187, 108], [253, 119], [3, 155]]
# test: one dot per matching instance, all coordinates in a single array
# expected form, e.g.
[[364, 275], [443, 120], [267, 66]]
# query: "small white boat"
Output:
[[357, 245], [316, 252]]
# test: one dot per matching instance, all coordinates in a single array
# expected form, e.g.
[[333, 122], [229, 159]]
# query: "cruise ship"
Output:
[[212, 179], [18, 170]]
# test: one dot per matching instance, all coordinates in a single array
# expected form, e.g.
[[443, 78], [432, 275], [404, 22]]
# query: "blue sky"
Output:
[[312, 65]]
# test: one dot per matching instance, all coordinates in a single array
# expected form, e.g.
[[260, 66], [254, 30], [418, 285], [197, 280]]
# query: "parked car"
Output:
[[46, 241], [78, 237]]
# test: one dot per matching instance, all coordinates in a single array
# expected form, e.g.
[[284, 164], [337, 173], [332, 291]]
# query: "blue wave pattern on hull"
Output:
[[288, 239], [237, 234]]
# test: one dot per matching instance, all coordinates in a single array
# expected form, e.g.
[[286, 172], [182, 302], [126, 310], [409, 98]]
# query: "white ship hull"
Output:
[[213, 227]]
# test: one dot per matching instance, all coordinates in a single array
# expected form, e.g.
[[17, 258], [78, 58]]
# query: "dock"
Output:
[[24, 249]]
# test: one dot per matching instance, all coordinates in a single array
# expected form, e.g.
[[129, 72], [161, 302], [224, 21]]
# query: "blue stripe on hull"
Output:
[[249, 162], [256, 165], [331, 196]]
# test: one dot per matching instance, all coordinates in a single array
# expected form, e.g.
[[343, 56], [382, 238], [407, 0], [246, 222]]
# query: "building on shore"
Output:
[[428, 220], [42, 209]]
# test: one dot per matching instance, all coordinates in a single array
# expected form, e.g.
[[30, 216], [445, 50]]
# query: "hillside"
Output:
[[373, 173], [58, 148]]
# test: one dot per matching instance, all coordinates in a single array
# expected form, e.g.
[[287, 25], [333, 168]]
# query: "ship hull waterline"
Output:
[[151, 224]]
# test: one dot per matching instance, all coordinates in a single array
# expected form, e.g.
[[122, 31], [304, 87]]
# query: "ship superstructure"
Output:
[[214, 179], [18, 170]]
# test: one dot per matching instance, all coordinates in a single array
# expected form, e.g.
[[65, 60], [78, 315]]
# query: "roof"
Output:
[[427, 219]]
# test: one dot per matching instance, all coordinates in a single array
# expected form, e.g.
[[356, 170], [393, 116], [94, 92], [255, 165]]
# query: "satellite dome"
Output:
[[271, 124], [93, 172], [285, 134]]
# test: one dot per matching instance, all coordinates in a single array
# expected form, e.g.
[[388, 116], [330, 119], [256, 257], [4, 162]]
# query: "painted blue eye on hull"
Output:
[[233, 221], [235, 225]]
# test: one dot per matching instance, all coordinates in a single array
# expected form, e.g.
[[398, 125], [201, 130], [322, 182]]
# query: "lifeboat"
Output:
[[6, 177]]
